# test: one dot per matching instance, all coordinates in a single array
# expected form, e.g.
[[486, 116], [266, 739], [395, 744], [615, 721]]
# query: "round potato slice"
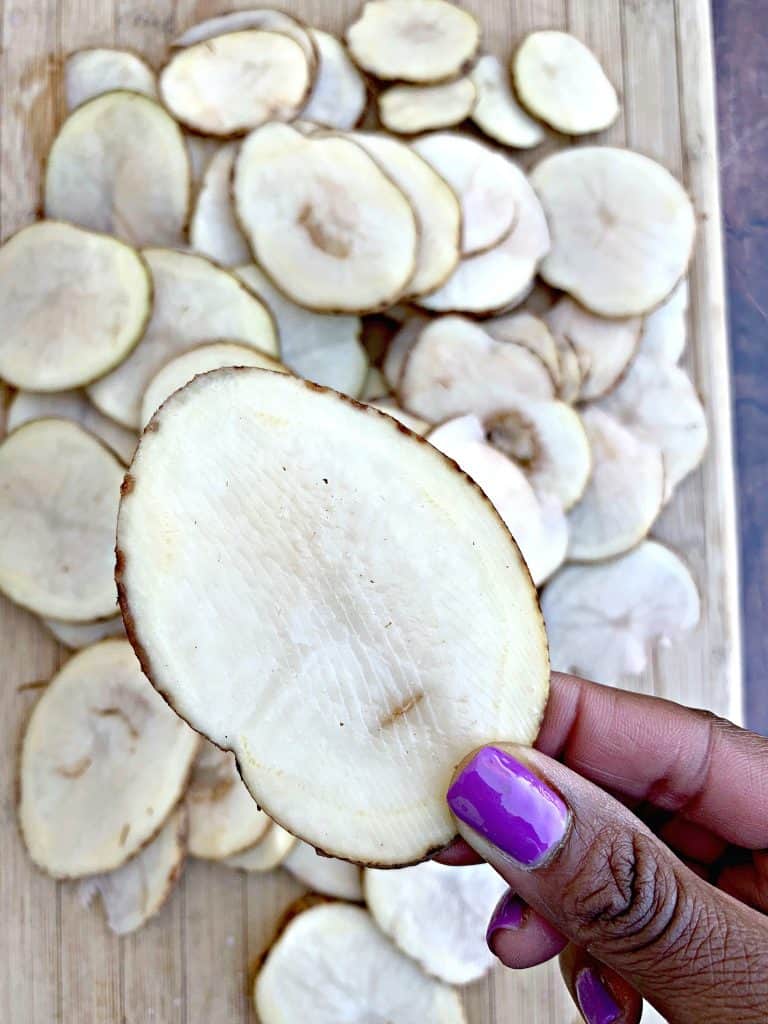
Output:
[[104, 761], [532, 333], [266, 18], [74, 305], [119, 165], [622, 228], [77, 635], [408, 109], [333, 232], [497, 112], [89, 73], [194, 302], [59, 492], [213, 229], [339, 94], [336, 951], [325, 874], [287, 657], [269, 853], [665, 329], [561, 81]]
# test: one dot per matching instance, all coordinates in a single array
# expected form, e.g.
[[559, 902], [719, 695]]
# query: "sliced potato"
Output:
[[89, 73], [104, 761], [603, 619], [438, 915], [77, 635], [269, 853], [622, 228], [339, 94], [375, 386], [570, 379], [322, 348], [267, 18], [286, 657], [456, 367], [59, 491], [400, 346], [213, 229], [624, 493], [561, 81], [497, 112], [201, 151], [74, 305], [665, 329], [194, 302], [531, 331], [414, 423], [137, 891], [408, 109], [335, 951], [325, 874], [119, 164], [333, 232], [413, 40]]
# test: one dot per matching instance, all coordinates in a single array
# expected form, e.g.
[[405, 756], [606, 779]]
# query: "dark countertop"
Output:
[[741, 48]]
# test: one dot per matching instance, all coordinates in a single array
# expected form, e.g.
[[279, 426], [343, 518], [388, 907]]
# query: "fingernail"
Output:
[[508, 915], [596, 1003], [509, 806]]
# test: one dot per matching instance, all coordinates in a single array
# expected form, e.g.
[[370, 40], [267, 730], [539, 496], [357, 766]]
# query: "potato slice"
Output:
[[194, 302], [571, 377], [137, 891], [339, 93], [414, 423], [322, 348], [530, 331], [665, 329], [201, 151], [342, 238], [287, 658], [603, 347], [603, 619], [59, 491], [104, 761], [74, 305], [561, 81], [497, 112], [413, 40], [658, 403], [624, 493], [223, 817], [400, 346], [89, 73], [375, 386], [213, 229], [71, 405], [325, 874], [622, 228], [269, 853], [76, 635], [335, 951], [456, 367], [202, 359], [266, 18], [438, 915], [119, 165], [408, 109]]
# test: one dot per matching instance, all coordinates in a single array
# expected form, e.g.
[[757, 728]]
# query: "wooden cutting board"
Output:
[[193, 965]]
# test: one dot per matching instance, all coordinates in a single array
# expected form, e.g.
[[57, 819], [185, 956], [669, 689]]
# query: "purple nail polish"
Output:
[[595, 1001], [509, 806], [508, 915]]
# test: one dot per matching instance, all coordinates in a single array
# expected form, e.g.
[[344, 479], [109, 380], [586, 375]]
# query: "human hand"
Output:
[[640, 855]]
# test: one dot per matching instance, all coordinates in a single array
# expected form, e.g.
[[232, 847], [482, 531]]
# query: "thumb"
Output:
[[588, 865]]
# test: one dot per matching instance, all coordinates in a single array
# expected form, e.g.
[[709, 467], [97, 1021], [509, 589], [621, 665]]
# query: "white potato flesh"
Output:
[[603, 347], [354, 973], [119, 165], [375, 386], [59, 492], [89, 73], [530, 331], [213, 229], [456, 367], [232, 83], [325, 874], [665, 330], [77, 635], [331, 230], [413, 40], [400, 346], [266, 18], [602, 619], [658, 402], [194, 302], [623, 496], [181, 370], [223, 817], [497, 112], [570, 378], [414, 423], [201, 151], [324, 646], [339, 94], [622, 228], [436, 206], [137, 891], [438, 915], [74, 304], [561, 81], [317, 346], [269, 853], [408, 109], [104, 761], [71, 405]]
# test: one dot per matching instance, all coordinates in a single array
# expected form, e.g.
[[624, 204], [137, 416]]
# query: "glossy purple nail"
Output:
[[509, 806], [508, 915], [596, 1003]]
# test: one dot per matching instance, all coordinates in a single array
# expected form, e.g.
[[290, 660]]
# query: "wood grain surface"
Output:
[[193, 964]]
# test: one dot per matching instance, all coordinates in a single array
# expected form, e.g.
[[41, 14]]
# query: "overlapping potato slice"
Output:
[[414, 423], [268, 19], [104, 761], [77, 635], [531, 331], [665, 329], [375, 386], [497, 112], [400, 346], [89, 73], [325, 874], [269, 853], [339, 94], [408, 109], [201, 150], [213, 229], [571, 377]]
